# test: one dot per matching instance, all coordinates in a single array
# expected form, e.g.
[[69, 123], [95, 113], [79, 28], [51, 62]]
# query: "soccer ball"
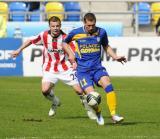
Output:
[[93, 99]]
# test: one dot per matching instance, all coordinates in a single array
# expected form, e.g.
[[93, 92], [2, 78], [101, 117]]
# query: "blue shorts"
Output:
[[88, 78]]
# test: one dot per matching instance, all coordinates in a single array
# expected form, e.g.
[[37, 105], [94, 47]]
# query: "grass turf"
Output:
[[24, 111]]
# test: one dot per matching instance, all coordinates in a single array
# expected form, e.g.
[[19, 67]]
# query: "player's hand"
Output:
[[71, 58], [72, 61], [121, 59], [15, 53]]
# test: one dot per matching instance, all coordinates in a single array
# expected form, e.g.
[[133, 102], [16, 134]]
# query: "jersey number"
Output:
[[83, 82], [73, 76]]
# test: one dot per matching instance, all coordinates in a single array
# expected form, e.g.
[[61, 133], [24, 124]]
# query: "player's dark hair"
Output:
[[54, 19], [89, 17]]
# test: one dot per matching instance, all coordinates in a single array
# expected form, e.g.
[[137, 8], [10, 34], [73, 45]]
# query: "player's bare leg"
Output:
[[49, 94]]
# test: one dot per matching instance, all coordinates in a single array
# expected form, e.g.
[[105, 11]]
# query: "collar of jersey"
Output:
[[94, 34]]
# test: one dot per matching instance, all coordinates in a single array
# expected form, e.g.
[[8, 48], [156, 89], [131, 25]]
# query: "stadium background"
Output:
[[131, 32]]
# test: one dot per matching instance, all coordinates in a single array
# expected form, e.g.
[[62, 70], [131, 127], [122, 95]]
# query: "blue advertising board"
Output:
[[10, 66], [30, 28]]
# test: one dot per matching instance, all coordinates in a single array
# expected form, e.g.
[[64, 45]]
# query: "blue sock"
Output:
[[109, 88]]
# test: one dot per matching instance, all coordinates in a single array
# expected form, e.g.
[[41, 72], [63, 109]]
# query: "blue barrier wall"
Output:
[[8, 65], [34, 28]]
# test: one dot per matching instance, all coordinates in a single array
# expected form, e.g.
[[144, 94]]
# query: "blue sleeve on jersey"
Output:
[[104, 39], [69, 37]]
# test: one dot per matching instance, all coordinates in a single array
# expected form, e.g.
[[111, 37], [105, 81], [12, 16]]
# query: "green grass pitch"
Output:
[[24, 111]]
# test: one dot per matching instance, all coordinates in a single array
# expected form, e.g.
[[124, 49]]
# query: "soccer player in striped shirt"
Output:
[[56, 65], [89, 42]]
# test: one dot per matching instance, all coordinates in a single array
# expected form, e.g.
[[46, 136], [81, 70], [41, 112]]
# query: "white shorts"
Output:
[[68, 77]]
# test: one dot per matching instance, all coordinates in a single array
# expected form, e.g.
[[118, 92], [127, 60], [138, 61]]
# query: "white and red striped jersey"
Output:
[[54, 58]]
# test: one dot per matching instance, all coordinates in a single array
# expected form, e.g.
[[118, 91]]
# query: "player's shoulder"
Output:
[[102, 30], [42, 33], [77, 30]]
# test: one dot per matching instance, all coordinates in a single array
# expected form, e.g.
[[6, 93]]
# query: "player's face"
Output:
[[90, 26], [55, 28]]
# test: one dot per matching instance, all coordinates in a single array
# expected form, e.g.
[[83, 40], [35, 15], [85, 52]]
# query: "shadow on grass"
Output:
[[75, 117], [32, 120], [129, 123], [123, 123]]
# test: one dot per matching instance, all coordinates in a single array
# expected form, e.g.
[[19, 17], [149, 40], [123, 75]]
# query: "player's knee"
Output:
[[45, 91], [104, 80], [78, 90]]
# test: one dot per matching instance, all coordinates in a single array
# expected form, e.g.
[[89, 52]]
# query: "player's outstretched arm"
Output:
[[110, 51], [18, 51]]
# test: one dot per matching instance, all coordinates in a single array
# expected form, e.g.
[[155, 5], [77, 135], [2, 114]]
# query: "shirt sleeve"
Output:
[[37, 40], [69, 37], [105, 41]]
